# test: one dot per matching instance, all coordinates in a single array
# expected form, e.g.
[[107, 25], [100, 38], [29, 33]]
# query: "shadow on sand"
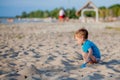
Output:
[[111, 65]]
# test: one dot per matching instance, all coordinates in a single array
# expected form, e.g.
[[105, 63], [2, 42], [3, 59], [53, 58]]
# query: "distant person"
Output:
[[61, 15], [10, 20], [89, 50]]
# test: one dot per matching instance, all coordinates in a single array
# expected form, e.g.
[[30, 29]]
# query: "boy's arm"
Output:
[[89, 54], [86, 55]]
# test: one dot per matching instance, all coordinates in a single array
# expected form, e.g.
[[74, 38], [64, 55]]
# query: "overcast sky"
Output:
[[16, 7]]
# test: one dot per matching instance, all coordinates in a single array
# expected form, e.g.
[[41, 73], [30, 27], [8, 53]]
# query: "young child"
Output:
[[61, 15], [89, 50]]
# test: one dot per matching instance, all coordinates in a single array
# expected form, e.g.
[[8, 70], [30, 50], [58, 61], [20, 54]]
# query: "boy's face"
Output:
[[79, 40]]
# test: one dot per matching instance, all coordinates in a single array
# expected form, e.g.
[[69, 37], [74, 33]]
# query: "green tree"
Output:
[[90, 13], [115, 9], [54, 13], [46, 14], [102, 12], [24, 15], [70, 13]]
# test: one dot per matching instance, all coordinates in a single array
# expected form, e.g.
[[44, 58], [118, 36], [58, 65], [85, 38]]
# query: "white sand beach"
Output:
[[48, 51]]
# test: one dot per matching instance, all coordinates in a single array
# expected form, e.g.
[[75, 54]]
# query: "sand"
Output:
[[48, 51]]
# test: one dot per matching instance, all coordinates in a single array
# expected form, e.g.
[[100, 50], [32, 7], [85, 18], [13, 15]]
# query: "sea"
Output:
[[25, 20]]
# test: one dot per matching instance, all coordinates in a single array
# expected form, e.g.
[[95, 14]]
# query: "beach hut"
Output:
[[89, 6]]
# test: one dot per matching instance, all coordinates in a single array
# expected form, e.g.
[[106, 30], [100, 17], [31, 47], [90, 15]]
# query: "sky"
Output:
[[11, 8]]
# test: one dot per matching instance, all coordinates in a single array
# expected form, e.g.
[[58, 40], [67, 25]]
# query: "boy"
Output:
[[89, 50]]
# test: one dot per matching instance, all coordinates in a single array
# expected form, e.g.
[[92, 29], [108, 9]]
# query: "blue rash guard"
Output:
[[89, 44]]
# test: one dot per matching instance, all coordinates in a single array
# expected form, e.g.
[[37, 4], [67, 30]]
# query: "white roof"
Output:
[[88, 5]]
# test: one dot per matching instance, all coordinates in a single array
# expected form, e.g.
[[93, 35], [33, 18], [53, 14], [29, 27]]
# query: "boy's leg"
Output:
[[92, 58], [84, 55]]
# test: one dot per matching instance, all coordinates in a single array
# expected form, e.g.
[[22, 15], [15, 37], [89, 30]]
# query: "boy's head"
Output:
[[81, 35]]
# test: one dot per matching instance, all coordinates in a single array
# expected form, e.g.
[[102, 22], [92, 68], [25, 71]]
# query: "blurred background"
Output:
[[108, 10]]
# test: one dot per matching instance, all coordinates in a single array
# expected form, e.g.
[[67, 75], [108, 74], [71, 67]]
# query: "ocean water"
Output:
[[16, 20]]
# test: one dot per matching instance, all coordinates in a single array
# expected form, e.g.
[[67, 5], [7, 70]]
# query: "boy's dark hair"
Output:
[[82, 32]]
